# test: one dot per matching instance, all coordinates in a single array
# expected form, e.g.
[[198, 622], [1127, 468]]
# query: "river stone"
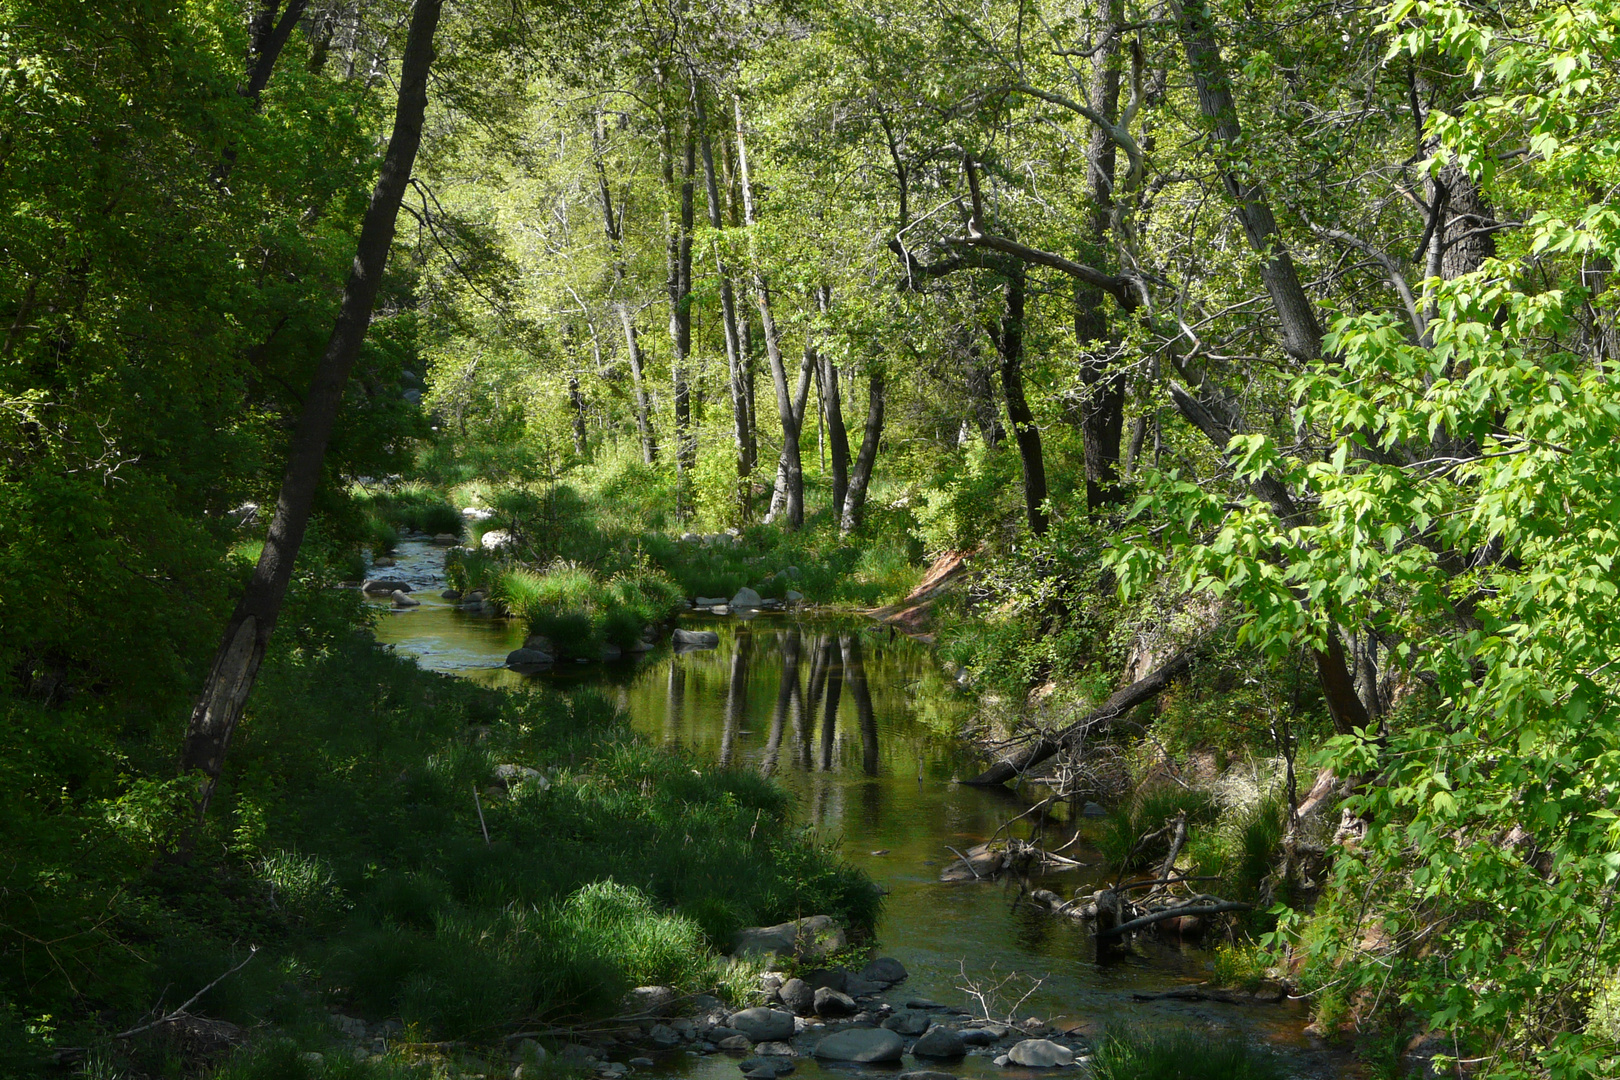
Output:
[[528, 657], [695, 639], [1001, 1060], [735, 1043], [940, 1042], [811, 938], [404, 599], [793, 596], [772, 1067], [837, 978], [745, 598], [384, 586], [864, 1045], [663, 1035], [645, 1000], [885, 969], [1040, 1054], [830, 1002], [446, 539], [798, 996], [450, 594], [908, 1022], [763, 1025], [775, 1048], [708, 601], [979, 1037]]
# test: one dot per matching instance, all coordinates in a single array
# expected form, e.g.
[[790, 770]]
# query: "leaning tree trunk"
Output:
[[1010, 346], [247, 634], [860, 477]]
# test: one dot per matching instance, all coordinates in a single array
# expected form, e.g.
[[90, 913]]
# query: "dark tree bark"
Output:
[[981, 391], [678, 285], [832, 407], [576, 402], [860, 477], [269, 36], [1009, 339], [247, 634]]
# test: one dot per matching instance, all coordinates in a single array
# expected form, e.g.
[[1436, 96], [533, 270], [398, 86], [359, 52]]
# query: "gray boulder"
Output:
[[940, 1042], [404, 599], [837, 978], [773, 1066], [736, 1043], [863, 1045], [979, 1037], [746, 598], [763, 1025], [855, 986], [708, 601], [528, 658], [793, 596], [450, 594], [1040, 1054], [830, 1002], [809, 938], [885, 969], [384, 586], [695, 639], [908, 1022], [799, 996], [1093, 810], [646, 1000]]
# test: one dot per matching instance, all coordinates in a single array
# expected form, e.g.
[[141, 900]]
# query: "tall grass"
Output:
[[579, 612], [1181, 1054], [1124, 834]]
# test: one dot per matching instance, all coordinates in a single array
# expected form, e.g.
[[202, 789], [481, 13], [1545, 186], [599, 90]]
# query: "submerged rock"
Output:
[[865, 1045], [908, 1022], [384, 586]]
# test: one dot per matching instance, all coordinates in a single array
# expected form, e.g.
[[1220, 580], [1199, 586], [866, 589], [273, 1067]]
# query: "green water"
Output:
[[856, 723]]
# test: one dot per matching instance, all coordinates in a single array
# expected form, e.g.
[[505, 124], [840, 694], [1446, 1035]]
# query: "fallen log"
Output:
[[1203, 905], [1265, 995], [1094, 722]]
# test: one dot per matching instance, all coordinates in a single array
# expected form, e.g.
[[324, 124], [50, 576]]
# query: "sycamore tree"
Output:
[[1462, 473]]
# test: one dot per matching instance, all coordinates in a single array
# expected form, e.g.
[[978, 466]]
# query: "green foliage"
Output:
[[1127, 839], [1181, 1054], [411, 508]]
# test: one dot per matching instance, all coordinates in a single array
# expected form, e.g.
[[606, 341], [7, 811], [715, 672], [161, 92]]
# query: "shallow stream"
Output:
[[856, 723]]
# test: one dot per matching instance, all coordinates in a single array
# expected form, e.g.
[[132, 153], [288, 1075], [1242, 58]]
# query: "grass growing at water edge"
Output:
[[1181, 1054]]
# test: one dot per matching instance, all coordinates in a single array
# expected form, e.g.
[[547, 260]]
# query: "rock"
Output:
[[450, 594], [735, 1043], [926, 1074], [1001, 1060], [924, 1004], [830, 1002], [837, 978], [663, 1036], [798, 996], [384, 586], [404, 599], [864, 1045], [691, 538], [857, 987], [997, 1030], [940, 1042], [643, 1000], [312, 1059], [809, 938], [1040, 1054], [540, 643], [639, 647], [612, 1069], [511, 775], [446, 539], [1093, 810], [763, 1025], [695, 639], [979, 1036], [642, 1062], [382, 562], [351, 1027], [495, 540], [745, 598], [611, 652], [793, 596], [528, 658], [527, 1050], [772, 1067], [908, 1022], [476, 513], [885, 969], [775, 1048], [708, 601], [792, 573]]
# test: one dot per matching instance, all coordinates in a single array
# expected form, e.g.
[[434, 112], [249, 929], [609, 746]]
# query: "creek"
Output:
[[858, 724]]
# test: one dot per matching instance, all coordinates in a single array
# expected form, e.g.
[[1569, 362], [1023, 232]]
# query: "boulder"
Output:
[[708, 601], [837, 978], [792, 573], [979, 1036], [857, 987], [745, 598], [760, 1066], [908, 1022], [830, 1002], [794, 596], [528, 658], [763, 1025], [885, 969], [799, 996], [736, 1043], [1040, 1054], [695, 639], [643, 1000], [450, 594], [809, 938], [1093, 810], [691, 538], [404, 599], [940, 1042], [863, 1045], [540, 642], [511, 775], [476, 513], [384, 586]]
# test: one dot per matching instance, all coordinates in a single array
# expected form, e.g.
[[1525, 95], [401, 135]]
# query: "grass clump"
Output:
[[1125, 837], [1181, 1054], [405, 508], [579, 612]]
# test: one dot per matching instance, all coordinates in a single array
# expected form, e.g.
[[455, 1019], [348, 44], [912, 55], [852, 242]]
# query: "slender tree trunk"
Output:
[[247, 634], [678, 284], [981, 393], [638, 382], [728, 303], [790, 469], [837, 438], [632, 343], [860, 477], [269, 34], [576, 401], [1010, 347]]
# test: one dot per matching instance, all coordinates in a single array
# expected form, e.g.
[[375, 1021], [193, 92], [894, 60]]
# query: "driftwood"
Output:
[[1094, 722], [1265, 994], [1198, 905]]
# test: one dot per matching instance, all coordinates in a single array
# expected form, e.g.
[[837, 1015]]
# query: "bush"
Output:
[[1149, 811]]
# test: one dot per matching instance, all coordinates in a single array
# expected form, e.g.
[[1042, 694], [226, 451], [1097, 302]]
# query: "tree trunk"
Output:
[[837, 438], [638, 382], [728, 303], [576, 402], [678, 284], [860, 477], [790, 469], [247, 634], [269, 36], [632, 342], [1010, 347]]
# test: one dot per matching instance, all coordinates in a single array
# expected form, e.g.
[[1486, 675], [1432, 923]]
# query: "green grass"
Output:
[[1181, 1054], [410, 507], [1122, 840], [579, 612]]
